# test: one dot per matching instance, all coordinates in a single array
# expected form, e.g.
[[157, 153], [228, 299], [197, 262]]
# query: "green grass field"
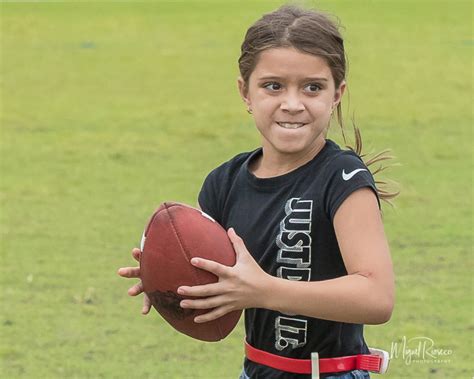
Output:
[[110, 108]]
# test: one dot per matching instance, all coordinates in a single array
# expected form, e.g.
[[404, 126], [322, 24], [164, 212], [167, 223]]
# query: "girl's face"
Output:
[[291, 95]]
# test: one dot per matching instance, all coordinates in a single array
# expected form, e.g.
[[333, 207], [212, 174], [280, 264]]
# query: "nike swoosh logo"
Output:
[[348, 176]]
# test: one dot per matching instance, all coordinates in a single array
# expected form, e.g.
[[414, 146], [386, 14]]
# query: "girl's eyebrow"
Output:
[[303, 80]]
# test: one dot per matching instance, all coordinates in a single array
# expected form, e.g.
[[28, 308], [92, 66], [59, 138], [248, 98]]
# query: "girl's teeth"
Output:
[[289, 126]]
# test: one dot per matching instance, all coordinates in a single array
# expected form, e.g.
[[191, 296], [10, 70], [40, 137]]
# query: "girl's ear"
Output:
[[243, 90], [339, 92]]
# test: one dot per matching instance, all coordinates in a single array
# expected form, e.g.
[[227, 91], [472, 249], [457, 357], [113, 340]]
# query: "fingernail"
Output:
[[194, 261], [180, 291]]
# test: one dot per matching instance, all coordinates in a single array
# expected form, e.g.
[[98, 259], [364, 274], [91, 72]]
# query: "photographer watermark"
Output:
[[419, 350]]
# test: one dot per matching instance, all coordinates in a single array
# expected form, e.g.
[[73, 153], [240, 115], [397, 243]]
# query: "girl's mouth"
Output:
[[290, 125]]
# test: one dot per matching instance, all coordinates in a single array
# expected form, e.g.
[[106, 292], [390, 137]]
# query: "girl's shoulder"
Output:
[[232, 166], [217, 183], [340, 159], [344, 173]]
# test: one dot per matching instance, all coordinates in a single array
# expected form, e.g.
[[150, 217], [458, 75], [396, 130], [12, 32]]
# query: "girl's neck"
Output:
[[270, 165]]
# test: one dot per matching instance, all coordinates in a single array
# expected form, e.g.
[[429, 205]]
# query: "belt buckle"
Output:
[[314, 366], [384, 360]]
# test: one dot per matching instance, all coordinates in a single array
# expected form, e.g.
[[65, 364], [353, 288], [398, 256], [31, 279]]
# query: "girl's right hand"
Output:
[[137, 289]]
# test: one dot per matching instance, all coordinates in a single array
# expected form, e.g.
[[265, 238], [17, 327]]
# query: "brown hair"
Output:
[[313, 32]]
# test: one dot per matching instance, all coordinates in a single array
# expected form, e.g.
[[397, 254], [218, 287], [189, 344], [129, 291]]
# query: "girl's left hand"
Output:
[[244, 285]]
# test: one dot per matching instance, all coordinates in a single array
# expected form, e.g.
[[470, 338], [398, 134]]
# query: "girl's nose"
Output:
[[292, 103]]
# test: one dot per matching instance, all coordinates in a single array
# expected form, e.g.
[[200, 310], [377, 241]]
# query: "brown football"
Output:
[[174, 235]]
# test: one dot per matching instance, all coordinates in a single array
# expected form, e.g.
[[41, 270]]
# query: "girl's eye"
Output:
[[314, 87], [273, 86]]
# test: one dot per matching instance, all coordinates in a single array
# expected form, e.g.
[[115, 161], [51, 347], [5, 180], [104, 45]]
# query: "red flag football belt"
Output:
[[369, 362]]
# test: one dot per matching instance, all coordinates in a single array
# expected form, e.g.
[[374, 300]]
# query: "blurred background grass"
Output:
[[110, 108]]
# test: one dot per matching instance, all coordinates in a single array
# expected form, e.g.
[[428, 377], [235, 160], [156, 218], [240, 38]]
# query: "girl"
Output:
[[313, 263]]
